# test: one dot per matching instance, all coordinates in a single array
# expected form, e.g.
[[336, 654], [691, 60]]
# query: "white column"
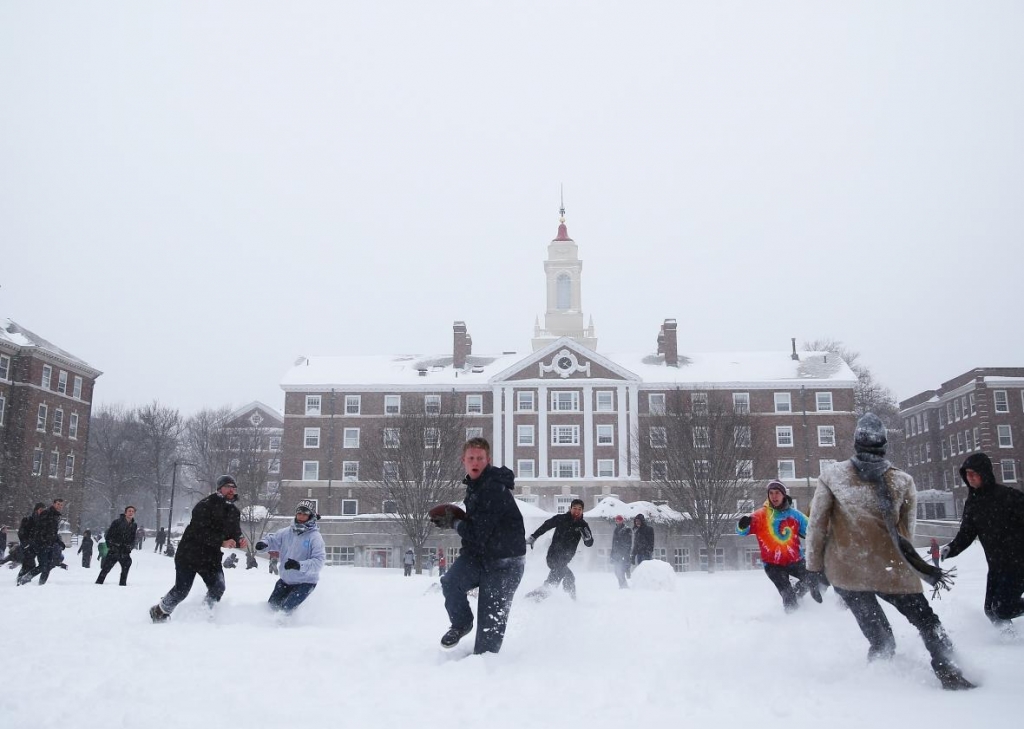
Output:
[[623, 434], [542, 431], [634, 427], [510, 431], [496, 408], [588, 431]]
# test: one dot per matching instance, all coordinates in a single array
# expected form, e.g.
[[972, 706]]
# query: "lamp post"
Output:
[[170, 512]]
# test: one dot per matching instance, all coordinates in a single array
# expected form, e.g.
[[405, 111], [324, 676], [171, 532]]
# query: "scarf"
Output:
[[873, 467]]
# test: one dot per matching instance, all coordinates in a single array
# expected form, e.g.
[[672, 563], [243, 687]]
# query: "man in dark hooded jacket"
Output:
[[493, 551], [994, 514], [120, 536], [215, 524], [25, 529], [43, 539], [569, 528], [643, 539], [622, 548]]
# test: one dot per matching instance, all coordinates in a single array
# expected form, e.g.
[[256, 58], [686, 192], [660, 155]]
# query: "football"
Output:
[[438, 511]]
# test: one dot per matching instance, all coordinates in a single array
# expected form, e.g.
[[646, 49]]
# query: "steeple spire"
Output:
[[563, 232]]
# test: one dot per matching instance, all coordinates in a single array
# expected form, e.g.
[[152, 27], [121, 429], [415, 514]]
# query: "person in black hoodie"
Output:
[[120, 536], [994, 514], [643, 539], [493, 551], [569, 528], [85, 548], [215, 524], [25, 529], [43, 539]]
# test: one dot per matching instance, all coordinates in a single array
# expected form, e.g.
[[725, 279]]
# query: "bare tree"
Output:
[[252, 462], [160, 430], [205, 444], [702, 451], [415, 459], [114, 469]]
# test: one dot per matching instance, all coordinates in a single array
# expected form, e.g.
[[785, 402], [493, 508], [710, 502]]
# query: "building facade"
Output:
[[979, 410], [45, 403]]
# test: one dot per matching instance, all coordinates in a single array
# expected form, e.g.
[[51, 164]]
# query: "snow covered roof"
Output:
[[610, 507], [17, 335], [426, 370], [723, 368]]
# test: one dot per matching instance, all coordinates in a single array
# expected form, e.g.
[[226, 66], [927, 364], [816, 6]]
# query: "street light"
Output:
[[170, 512]]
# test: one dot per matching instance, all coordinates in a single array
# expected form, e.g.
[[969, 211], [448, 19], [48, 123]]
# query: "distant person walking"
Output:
[[161, 536], [120, 537], [933, 550], [622, 548], [140, 538], [85, 548], [643, 539], [408, 562]]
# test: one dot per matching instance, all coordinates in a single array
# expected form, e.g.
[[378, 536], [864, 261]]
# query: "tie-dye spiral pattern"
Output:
[[778, 533]]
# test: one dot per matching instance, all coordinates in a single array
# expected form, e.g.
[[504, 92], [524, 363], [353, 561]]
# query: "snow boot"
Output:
[[157, 614], [952, 679], [454, 635]]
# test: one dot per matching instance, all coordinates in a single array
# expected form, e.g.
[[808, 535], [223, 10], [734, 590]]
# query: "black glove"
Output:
[[445, 521], [260, 546], [744, 522], [291, 564]]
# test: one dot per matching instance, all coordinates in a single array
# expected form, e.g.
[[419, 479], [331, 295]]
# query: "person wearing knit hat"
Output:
[[778, 528], [300, 548], [863, 516], [569, 528]]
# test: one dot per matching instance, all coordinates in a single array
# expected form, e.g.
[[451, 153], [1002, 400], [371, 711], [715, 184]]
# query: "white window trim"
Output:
[[358, 401], [999, 435], [72, 426], [392, 437], [822, 430], [557, 397], [786, 398], [77, 391], [305, 465], [995, 401], [519, 468], [432, 404], [526, 394], [610, 431], [345, 437], [393, 401], [611, 401], [573, 431], [610, 464], [46, 377], [817, 403], [308, 434], [354, 509], [344, 467], [663, 440], [779, 469], [656, 397], [779, 431], [474, 404], [5, 366], [574, 467], [737, 407], [312, 409], [523, 430]]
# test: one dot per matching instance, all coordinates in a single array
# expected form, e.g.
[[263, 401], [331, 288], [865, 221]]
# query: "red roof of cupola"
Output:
[[563, 232]]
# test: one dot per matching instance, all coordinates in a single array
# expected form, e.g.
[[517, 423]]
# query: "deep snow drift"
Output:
[[363, 651]]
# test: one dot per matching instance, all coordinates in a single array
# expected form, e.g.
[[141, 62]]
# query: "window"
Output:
[[77, 393], [353, 404], [349, 507], [826, 436], [528, 499], [949, 412], [524, 401], [474, 404], [787, 470], [431, 438], [432, 404], [311, 470], [605, 435], [656, 403], [41, 419], [525, 468], [389, 506], [699, 403], [563, 502], [605, 468], [823, 402], [924, 421], [1009, 470], [977, 440], [312, 404], [62, 382], [524, 435], [741, 403], [431, 472], [392, 437], [389, 472], [311, 438], [565, 401], [956, 409], [701, 436], [605, 401], [274, 443], [5, 367], [1001, 401], [58, 421], [47, 377], [37, 462], [959, 442], [565, 469], [274, 465], [680, 559], [928, 452], [741, 436], [784, 436], [824, 464], [942, 417], [474, 433], [69, 467], [54, 464], [341, 556], [701, 468], [3, 406], [659, 470], [974, 407], [659, 439], [783, 402], [565, 435], [350, 471], [392, 404], [744, 469], [719, 557], [967, 440], [350, 438], [1005, 436]]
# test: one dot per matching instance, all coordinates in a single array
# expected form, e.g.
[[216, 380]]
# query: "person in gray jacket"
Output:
[[300, 549]]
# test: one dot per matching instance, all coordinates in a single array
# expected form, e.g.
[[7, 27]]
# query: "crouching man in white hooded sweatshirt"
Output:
[[301, 554]]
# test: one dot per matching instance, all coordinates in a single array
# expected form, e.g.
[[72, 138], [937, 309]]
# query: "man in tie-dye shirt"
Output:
[[779, 528]]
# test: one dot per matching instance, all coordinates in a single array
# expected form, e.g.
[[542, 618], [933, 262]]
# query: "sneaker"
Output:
[[157, 614], [953, 680], [454, 635]]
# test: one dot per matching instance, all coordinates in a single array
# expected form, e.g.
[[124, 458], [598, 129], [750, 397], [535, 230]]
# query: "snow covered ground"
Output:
[[363, 651]]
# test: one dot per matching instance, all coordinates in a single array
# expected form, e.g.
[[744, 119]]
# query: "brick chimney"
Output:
[[462, 345], [795, 357], [668, 343]]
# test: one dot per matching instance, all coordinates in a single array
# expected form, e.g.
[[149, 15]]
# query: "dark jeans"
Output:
[[159, 546], [408, 569], [915, 608], [641, 557], [1003, 598], [86, 559], [184, 576], [497, 580], [108, 562], [562, 573], [621, 567], [47, 561], [779, 574], [288, 597]]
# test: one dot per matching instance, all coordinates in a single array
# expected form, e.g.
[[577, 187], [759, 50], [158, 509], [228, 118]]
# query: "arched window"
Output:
[[563, 292]]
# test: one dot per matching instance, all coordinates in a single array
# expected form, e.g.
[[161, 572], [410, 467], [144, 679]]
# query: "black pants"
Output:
[[1003, 598], [621, 567], [408, 569], [915, 608], [159, 546], [47, 561], [497, 580], [288, 597], [560, 573], [108, 562], [185, 576], [779, 574], [86, 559]]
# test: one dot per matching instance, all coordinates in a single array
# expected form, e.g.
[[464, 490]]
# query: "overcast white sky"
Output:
[[194, 194]]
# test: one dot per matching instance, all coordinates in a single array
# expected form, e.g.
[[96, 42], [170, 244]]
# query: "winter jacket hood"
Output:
[[305, 547], [493, 527], [993, 514], [981, 464]]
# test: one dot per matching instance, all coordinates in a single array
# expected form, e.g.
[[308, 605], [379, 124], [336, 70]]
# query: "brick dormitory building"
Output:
[[570, 420]]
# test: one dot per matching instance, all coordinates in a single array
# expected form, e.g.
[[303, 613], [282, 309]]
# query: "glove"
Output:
[[944, 553], [530, 540], [744, 522], [291, 564], [260, 546], [588, 537], [445, 520]]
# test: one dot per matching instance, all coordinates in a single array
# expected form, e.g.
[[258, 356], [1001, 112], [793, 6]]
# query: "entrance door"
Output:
[[378, 557]]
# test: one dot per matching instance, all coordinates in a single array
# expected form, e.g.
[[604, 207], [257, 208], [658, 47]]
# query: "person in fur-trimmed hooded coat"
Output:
[[849, 538]]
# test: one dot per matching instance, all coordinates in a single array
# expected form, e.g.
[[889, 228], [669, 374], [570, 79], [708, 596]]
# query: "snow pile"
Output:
[[610, 507], [654, 575]]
